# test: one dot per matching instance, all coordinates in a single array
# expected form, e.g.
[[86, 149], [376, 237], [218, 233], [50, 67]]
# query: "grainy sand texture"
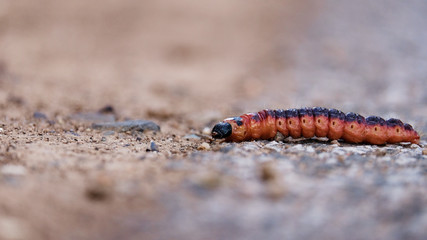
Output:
[[69, 67]]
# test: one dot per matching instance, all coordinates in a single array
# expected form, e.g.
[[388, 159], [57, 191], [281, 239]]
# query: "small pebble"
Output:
[[39, 115], [425, 151], [99, 188], [206, 131], [273, 145], [125, 126], [279, 137], [204, 146], [1, 130], [96, 194], [267, 172], [191, 136], [380, 153], [107, 109], [73, 133], [153, 147]]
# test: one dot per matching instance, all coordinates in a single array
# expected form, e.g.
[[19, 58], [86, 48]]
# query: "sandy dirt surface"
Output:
[[186, 65]]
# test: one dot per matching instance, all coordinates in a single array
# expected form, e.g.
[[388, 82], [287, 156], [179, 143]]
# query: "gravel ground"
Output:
[[66, 68]]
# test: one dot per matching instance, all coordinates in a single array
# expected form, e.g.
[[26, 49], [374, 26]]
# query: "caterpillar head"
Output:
[[232, 129], [222, 130]]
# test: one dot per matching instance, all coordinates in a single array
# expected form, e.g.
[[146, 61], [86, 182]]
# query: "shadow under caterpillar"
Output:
[[319, 122]]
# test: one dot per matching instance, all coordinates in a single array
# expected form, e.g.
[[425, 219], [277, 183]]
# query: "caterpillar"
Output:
[[317, 121]]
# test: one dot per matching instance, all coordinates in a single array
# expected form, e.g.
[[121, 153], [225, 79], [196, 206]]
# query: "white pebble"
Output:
[[273, 145], [310, 149], [206, 131], [204, 146], [415, 145]]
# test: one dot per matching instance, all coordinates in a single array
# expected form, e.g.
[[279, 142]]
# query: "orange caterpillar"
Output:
[[319, 122]]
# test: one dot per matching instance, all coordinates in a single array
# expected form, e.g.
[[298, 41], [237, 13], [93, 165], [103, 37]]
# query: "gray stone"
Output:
[[39, 115], [153, 147], [131, 125]]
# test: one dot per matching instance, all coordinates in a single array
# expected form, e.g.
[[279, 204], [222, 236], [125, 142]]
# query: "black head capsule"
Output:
[[221, 130]]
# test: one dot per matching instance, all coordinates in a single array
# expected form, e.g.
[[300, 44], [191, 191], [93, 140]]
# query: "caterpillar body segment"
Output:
[[311, 122], [293, 123], [336, 123]]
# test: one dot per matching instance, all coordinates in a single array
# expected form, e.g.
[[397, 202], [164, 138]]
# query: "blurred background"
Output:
[[186, 65], [197, 57]]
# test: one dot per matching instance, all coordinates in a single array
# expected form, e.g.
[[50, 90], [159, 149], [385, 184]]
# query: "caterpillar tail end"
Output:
[[416, 139], [221, 130]]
